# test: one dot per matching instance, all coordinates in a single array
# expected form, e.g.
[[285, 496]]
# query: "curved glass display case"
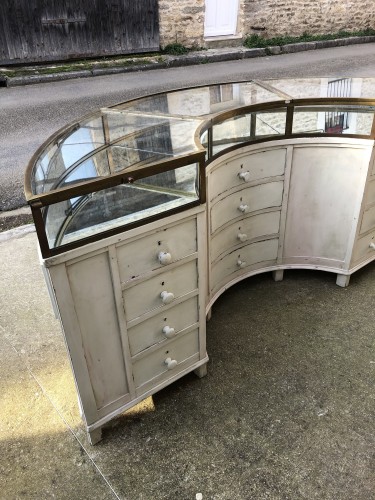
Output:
[[134, 162], [146, 212]]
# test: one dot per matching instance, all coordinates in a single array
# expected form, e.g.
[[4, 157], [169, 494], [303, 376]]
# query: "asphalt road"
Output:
[[30, 114]]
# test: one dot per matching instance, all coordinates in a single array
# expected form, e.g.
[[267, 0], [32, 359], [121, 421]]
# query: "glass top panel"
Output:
[[163, 126], [87, 215]]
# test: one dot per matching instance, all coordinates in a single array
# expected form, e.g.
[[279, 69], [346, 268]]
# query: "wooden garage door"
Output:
[[50, 30]]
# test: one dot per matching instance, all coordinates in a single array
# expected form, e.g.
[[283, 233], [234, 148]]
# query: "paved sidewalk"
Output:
[[44, 73], [286, 412]]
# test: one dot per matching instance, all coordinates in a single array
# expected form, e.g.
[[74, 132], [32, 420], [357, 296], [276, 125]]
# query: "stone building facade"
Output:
[[185, 22]]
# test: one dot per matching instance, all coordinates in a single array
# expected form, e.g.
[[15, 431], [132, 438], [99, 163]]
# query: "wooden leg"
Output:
[[95, 436], [278, 275], [201, 371], [343, 280]]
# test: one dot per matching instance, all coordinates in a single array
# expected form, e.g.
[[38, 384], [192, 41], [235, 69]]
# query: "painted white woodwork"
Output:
[[160, 290], [244, 201], [324, 201], [154, 365], [124, 341], [248, 255], [220, 17], [143, 254], [157, 328], [248, 229], [278, 275], [132, 306], [245, 167], [313, 221]]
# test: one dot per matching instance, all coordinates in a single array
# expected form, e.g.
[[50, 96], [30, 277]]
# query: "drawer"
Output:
[[249, 228], [150, 331], [370, 193], [146, 296], [368, 220], [243, 259], [246, 201], [246, 168], [363, 248], [154, 365], [142, 255]]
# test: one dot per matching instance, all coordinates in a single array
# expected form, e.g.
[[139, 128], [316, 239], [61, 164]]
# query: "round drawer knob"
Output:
[[245, 176], [169, 332], [243, 208], [166, 297], [242, 236], [241, 263], [171, 363], [165, 258], [372, 245]]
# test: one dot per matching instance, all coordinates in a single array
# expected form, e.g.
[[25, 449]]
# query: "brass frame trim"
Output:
[[142, 169]]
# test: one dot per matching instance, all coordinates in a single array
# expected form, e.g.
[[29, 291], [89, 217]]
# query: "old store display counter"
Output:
[[149, 210]]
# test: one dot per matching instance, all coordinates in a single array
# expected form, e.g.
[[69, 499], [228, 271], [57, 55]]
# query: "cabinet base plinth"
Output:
[[278, 275], [343, 280], [201, 371], [95, 436]]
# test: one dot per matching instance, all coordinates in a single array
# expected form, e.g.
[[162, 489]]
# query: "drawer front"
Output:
[[243, 259], [364, 248], [370, 193], [142, 255], [155, 364], [368, 220], [150, 331], [146, 296], [246, 168], [246, 201], [251, 227]]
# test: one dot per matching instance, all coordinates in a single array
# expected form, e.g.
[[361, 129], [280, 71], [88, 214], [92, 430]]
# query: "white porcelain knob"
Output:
[[166, 297], [245, 176], [165, 258], [372, 245], [241, 263], [171, 363], [169, 332], [243, 208], [242, 236]]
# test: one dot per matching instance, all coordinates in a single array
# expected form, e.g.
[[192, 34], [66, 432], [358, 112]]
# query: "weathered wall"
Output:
[[294, 17], [182, 21]]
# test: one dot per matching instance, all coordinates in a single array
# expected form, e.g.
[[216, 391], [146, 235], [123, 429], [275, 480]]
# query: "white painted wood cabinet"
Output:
[[132, 308]]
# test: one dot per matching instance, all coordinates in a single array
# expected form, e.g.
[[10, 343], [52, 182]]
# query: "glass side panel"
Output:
[[246, 127], [84, 216], [65, 152], [333, 120], [147, 140]]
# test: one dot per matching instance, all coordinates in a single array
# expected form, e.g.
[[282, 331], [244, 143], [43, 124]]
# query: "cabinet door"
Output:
[[325, 193]]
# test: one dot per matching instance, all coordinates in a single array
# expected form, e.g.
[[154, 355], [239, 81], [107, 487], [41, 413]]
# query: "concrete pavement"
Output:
[[286, 412]]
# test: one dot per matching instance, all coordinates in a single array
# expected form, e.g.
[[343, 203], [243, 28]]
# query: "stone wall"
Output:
[[182, 21], [294, 17]]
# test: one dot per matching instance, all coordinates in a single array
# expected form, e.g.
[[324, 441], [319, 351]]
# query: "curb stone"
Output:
[[201, 57]]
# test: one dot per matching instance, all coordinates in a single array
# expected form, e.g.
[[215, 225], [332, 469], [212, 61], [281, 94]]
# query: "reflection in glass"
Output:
[[109, 208], [246, 127], [64, 153], [333, 120]]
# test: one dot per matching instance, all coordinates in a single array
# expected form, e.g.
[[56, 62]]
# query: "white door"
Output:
[[220, 17]]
